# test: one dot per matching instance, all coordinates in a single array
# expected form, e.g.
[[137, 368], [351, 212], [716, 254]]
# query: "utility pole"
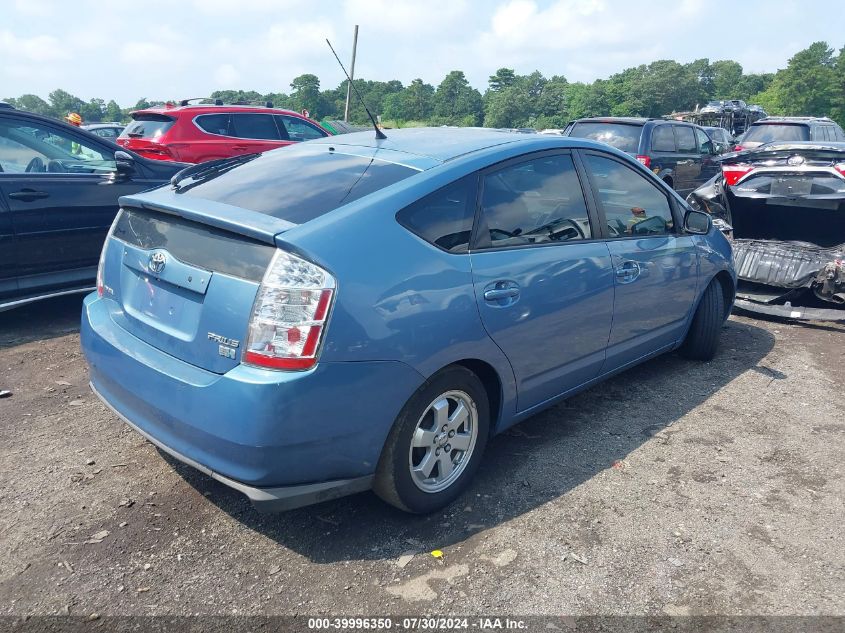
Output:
[[351, 76]]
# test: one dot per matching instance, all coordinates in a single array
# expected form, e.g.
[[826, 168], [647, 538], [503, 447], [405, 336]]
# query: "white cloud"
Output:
[[38, 8], [144, 53], [226, 76], [41, 48]]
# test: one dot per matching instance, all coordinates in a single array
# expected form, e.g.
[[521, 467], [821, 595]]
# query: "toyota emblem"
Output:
[[158, 261]]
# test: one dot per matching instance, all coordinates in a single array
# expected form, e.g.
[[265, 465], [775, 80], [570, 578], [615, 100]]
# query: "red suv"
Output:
[[200, 132]]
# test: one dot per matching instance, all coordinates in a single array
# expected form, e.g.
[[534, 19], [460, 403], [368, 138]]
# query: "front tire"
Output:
[[436, 443], [703, 337]]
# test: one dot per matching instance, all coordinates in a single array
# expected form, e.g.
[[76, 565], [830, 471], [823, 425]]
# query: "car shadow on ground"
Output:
[[531, 464], [41, 320]]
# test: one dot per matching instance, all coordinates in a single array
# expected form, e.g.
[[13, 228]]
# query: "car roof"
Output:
[[632, 120], [442, 144], [209, 108], [793, 119]]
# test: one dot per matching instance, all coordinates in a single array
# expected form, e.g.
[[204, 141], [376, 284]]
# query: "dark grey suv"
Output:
[[792, 128], [679, 153]]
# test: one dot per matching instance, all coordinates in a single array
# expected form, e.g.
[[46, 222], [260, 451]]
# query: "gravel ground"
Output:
[[676, 488]]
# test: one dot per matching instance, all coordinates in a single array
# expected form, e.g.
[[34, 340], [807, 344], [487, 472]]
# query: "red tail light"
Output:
[[737, 148], [645, 160], [840, 168], [734, 173], [101, 286], [289, 315]]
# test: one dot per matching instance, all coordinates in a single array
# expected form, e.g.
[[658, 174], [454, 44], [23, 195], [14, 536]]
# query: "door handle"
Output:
[[28, 195], [627, 272], [500, 293], [239, 147]]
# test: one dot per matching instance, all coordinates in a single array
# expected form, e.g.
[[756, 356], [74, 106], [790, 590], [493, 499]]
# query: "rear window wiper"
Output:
[[204, 171]]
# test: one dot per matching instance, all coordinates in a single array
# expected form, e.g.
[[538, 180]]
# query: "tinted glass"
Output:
[[196, 244], [632, 205], [215, 124], [444, 217], [685, 138], [299, 130], [619, 135], [299, 182], [777, 132], [147, 126], [535, 202], [257, 126], [105, 132], [704, 142], [35, 149], [662, 139]]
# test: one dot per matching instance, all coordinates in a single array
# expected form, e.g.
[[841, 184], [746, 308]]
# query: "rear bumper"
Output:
[[283, 439], [264, 499]]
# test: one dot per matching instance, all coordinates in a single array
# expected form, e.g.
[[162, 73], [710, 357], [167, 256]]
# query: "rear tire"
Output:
[[419, 470], [703, 337]]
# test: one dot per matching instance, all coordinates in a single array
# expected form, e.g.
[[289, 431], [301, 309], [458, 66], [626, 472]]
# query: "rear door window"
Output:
[[215, 124], [444, 218], [704, 143], [299, 129], [662, 139], [538, 201], [147, 126], [685, 139], [632, 205], [255, 126], [619, 135]]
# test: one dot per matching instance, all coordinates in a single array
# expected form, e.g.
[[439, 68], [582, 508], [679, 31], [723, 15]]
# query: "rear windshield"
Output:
[[619, 135], [777, 132], [147, 126], [298, 183]]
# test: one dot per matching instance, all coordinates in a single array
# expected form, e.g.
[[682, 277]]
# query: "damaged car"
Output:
[[783, 206]]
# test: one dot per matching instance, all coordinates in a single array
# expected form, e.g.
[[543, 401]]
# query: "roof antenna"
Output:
[[379, 133]]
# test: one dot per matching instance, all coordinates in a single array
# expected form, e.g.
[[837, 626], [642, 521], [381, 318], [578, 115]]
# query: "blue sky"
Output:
[[181, 48]]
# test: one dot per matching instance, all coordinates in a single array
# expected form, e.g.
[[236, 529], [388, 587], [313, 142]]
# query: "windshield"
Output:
[[147, 126], [776, 132], [297, 183], [619, 135]]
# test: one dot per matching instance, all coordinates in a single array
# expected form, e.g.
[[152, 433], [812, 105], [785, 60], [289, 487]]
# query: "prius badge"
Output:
[[158, 261], [226, 345]]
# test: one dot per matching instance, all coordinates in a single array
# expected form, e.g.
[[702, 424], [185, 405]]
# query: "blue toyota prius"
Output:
[[355, 313]]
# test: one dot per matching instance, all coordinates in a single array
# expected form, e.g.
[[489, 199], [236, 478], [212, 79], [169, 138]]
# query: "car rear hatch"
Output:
[[788, 191], [184, 263], [144, 134], [187, 287]]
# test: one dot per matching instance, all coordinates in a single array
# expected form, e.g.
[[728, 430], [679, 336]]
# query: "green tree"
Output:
[[62, 103], [727, 79], [113, 112], [456, 102], [504, 78], [305, 95], [33, 103], [807, 86]]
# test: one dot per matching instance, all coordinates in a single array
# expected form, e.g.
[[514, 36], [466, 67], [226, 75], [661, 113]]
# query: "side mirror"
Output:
[[124, 163], [697, 222]]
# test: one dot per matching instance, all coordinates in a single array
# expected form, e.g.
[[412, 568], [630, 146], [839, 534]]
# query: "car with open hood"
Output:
[[785, 205], [363, 312]]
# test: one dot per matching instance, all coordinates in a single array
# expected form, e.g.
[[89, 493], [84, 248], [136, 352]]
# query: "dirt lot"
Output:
[[676, 488]]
